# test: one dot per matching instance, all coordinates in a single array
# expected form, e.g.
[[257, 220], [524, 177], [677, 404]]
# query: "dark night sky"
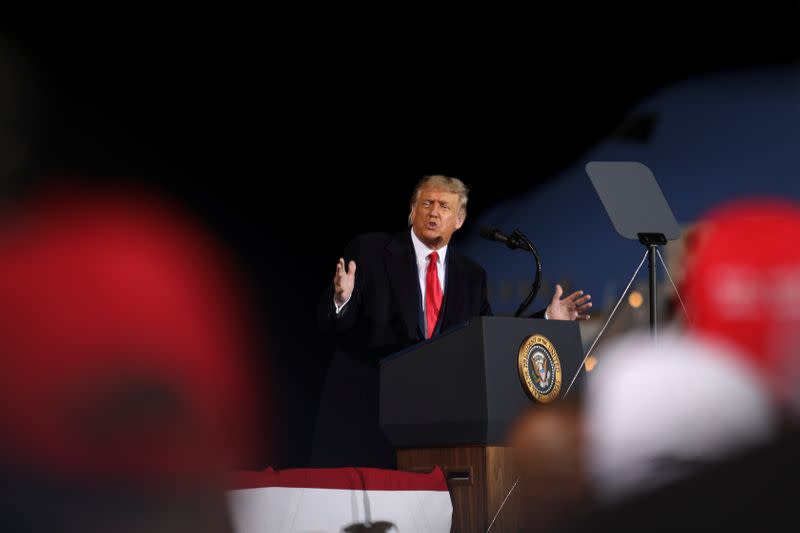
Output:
[[289, 134]]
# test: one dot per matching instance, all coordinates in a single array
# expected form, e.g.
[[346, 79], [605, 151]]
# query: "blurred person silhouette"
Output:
[[705, 421], [657, 413], [684, 435], [548, 446], [125, 378], [389, 292], [742, 286]]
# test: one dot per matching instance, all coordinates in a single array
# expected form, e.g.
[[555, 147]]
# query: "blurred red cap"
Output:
[[742, 280], [124, 348]]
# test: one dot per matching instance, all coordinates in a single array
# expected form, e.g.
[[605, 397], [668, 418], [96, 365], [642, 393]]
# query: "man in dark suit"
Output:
[[392, 292]]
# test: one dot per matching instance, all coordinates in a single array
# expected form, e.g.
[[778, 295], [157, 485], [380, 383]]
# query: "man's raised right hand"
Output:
[[344, 281]]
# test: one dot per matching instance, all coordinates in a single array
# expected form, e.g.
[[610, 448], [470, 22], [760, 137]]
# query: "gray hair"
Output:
[[453, 185]]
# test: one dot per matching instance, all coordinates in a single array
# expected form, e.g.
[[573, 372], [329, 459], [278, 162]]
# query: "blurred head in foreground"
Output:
[[124, 379], [657, 413], [742, 286], [548, 446]]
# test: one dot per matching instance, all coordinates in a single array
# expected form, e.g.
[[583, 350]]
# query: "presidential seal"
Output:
[[539, 368]]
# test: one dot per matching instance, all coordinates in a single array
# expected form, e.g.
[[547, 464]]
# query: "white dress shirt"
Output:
[[421, 251]]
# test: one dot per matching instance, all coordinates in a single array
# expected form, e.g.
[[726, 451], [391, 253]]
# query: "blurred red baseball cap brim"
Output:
[[124, 344]]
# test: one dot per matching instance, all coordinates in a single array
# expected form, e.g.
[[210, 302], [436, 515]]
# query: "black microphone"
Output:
[[512, 241]]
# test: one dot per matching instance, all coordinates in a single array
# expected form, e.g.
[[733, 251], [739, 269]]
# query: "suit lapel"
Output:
[[401, 265], [451, 292]]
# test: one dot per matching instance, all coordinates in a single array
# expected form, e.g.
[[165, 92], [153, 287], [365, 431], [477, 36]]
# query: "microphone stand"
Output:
[[537, 280]]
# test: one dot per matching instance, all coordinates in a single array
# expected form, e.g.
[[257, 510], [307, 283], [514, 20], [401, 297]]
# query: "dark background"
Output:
[[287, 133]]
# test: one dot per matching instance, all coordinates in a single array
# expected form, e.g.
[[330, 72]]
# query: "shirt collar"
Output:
[[422, 251]]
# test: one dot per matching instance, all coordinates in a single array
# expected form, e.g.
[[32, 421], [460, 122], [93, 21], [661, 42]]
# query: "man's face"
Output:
[[436, 215]]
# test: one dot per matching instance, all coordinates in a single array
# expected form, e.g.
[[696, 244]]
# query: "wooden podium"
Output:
[[450, 401]]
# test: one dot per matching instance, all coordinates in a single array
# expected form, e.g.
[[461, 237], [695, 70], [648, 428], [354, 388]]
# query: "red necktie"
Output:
[[433, 293]]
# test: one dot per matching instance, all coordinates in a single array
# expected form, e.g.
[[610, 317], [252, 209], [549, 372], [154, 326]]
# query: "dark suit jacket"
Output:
[[384, 313]]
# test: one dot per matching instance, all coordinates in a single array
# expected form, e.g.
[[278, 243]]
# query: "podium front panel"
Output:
[[435, 392], [464, 387]]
